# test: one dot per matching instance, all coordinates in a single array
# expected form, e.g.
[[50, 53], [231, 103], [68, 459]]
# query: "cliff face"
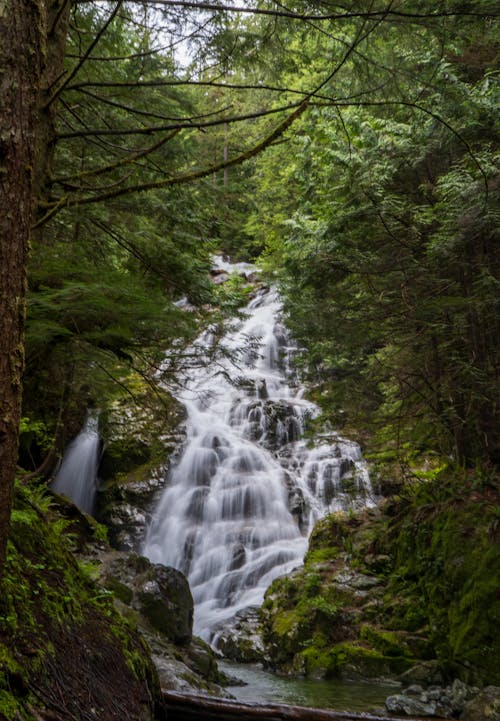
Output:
[[407, 590]]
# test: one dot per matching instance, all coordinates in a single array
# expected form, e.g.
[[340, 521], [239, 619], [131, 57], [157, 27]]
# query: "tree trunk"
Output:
[[33, 36], [21, 52]]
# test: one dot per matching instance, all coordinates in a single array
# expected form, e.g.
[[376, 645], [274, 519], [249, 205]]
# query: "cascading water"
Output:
[[242, 499], [77, 474]]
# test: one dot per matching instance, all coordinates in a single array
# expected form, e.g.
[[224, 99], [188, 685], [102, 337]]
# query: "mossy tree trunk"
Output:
[[31, 53]]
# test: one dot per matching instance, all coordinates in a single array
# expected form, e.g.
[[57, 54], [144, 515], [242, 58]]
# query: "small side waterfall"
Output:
[[247, 489], [77, 474]]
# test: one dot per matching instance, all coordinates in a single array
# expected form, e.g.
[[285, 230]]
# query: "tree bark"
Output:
[[21, 57], [33, 36]]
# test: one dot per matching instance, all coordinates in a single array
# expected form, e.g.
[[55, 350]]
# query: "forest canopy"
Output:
[[351, 148]]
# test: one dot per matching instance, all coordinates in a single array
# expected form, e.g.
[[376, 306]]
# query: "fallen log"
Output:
[[187, 707]]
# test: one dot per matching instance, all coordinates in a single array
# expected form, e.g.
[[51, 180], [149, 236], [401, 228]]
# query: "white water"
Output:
[[247, 490], [77, 474]]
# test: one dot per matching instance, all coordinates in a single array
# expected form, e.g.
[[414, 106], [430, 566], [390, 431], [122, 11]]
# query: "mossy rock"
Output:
[[416, 579], [330, 532], [350, 661], [389, 643], [138, 430], [161, 594], [123, 456], [57, 623]]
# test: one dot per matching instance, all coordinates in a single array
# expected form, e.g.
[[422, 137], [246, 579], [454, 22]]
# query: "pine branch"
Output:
[[132, 158], [186, 123], [368, 15], [77, 67], [179, 179], [144, 113]]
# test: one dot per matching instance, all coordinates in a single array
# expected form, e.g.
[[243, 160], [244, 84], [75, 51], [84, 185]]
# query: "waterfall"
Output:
[[77, 473], [247, 489]]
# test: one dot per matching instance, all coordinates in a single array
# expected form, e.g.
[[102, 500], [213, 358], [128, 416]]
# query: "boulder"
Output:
[[164, 598], [239, 638], [159, 593], [484, 707], [445, 703], [410, 705]]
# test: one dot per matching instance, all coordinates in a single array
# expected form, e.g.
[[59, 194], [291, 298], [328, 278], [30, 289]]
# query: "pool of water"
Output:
[[265, 687]]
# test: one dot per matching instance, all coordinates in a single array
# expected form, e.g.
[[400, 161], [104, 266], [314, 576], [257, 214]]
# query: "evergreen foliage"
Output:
[[383, 226], [378, 215]]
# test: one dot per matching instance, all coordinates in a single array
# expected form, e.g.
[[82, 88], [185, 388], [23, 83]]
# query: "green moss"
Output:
[[54, 616], [348, 660], [435, 551], [389, 643], [124, 455], [120, 591], [319, 556], [10, 708], [285, 623], [329, 532]]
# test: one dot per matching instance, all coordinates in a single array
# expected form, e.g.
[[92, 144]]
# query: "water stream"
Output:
[[332, 694], [247, 489], [77, 475]]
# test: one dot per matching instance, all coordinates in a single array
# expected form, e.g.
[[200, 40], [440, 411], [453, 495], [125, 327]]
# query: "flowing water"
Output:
[[332, 694], [76, 477], [247, 489]]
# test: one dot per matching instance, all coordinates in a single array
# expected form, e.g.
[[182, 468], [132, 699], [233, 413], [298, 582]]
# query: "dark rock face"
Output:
[[125, 503], [158, 593], [160, 601], [140, 442], [165, 600]]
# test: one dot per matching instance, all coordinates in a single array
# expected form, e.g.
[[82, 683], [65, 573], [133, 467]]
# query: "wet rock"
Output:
[[444, 702], [282, 424], [239, 638], [261, 389], [297, 504], [426, 672], [219, 277], [141, 440], [484, 707], [125, 504], [399, 703], [358, 583], [165, 600], [190, 669]]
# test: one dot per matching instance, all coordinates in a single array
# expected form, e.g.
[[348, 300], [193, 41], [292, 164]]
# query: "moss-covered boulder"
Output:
[[445, 545], [159, 602], [409, 589], [159, 593]]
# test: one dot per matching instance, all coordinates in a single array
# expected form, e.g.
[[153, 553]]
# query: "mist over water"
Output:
[[247, 489]]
